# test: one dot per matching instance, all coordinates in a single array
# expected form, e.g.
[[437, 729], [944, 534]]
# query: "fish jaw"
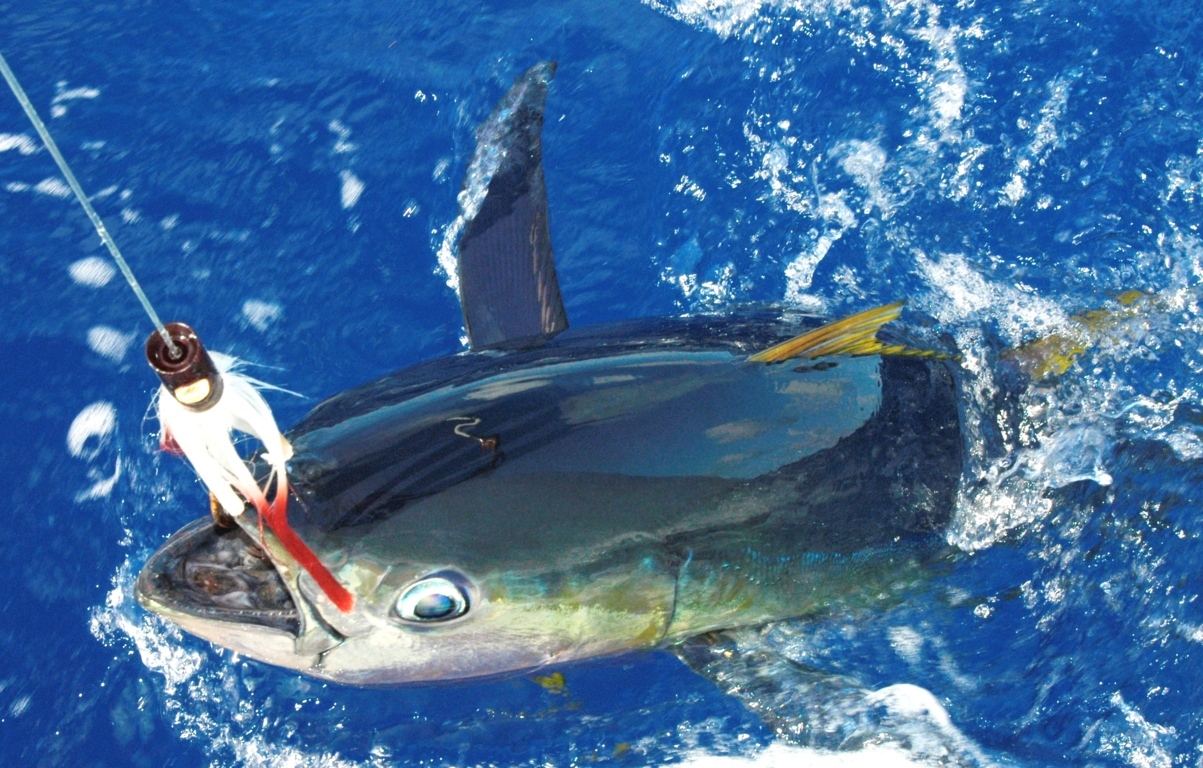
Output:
[[271, 646], [222, 587]]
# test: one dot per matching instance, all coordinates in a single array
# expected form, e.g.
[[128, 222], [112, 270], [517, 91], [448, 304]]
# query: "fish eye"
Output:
[[432, 599]]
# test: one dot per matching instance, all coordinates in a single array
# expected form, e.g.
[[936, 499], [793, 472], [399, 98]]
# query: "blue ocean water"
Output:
[[283, 176]]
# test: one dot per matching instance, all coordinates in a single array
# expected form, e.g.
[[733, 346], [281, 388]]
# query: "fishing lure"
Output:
[[204, 400]]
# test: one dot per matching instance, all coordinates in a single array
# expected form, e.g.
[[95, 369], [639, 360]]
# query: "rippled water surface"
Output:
[[282, 176]]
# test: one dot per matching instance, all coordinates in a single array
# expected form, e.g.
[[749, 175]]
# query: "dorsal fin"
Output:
[[507, 276], [855, 335]]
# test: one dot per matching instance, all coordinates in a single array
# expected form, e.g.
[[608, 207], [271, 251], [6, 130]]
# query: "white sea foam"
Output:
[[71, 94], [961, 294], [1045, 138], [92, 271], [204, 702], [91, 429], [342, 144], [929, 730], [19, 142], [19, 706], [109, 342], [939, 76], [795, 169], [484, 164], [907, 643], [1124, 734], [88, 437], [1184, 177], [794, 188], [157, 642], [53, 187], [1065, 440], [261, 314], [688, 187], [779, 755], [102, 484], [352, 188], [865, 162], [944, 83], [724, 18]]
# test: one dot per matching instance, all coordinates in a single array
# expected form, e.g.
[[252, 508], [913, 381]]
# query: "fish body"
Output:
[[558, 495], [618, 488]]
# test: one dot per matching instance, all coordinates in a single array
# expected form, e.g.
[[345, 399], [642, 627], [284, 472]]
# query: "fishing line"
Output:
[[52, 148], [201, 405]]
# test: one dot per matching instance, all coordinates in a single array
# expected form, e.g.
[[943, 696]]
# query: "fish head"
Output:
[[413, 620]]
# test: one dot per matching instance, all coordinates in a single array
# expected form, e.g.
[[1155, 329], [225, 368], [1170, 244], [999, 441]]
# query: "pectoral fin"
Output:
[[821, 710], [855, 335]]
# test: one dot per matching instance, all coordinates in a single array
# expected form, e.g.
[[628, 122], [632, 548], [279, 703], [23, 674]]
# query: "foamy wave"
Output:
[[1045, 138], [352, 188], [202, 702], [20, 142], [778, 755], [261, 314], [119, 620], [109, 342], [940, 77]]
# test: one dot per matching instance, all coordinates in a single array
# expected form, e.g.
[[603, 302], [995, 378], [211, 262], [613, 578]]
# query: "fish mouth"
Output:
[[213, 574]]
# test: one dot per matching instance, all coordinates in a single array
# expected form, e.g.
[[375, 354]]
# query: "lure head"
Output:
[[184, 366], [414, 620]]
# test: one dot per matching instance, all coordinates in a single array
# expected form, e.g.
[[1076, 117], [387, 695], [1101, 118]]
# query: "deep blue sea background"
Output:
[[283, 175]]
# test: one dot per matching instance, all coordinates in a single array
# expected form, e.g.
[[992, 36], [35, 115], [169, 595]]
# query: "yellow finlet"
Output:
[[553, 683], [1051, 356], [855, 335]]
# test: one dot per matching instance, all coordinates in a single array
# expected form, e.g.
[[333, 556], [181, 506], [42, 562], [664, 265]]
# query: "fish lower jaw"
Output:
[[266, 644]]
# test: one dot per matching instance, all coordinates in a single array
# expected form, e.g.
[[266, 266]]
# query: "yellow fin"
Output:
[[855, 335], [553, 683], [1050, 356]]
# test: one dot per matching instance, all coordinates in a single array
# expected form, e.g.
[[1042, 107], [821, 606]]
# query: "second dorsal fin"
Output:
[[507, 275], [854, 335]]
